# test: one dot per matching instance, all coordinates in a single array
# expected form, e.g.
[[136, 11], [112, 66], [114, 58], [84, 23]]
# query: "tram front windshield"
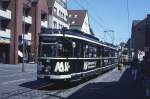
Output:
[[55, 50], [49, 50]]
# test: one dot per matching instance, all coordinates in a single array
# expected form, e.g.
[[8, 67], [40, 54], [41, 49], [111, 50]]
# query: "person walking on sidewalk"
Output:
[[120, 65], [134, 68]]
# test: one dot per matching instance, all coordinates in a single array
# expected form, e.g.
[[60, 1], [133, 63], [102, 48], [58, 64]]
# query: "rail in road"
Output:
[[42, 90], [45, 90]]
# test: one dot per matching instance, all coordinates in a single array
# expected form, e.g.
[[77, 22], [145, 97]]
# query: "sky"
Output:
[[106, 15]]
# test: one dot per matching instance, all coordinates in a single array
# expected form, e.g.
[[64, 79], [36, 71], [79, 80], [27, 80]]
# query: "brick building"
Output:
[[28, 17], [18, 17], [140, 34]]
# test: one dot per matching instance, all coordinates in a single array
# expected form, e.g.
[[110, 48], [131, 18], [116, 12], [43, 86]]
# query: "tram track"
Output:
[[42, 92], [45, 90]]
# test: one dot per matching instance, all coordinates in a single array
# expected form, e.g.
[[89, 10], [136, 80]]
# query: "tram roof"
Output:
[[77, 33]]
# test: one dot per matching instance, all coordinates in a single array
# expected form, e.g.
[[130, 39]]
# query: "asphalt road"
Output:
[[114, 84]]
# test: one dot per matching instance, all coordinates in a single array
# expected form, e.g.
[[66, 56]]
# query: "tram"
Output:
[[71, 55]]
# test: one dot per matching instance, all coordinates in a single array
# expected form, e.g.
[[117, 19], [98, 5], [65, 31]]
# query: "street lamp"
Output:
[[23, 35]]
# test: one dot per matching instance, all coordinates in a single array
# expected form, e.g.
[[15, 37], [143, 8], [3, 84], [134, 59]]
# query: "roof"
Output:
[[142, 22], [135, 22], [75, 33], [76, 17]]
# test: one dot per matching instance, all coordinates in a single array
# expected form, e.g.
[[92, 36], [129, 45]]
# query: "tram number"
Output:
[[62, 67], [89, 65]]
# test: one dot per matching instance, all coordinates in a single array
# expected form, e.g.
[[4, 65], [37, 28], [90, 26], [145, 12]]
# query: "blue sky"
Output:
[[112, 15]]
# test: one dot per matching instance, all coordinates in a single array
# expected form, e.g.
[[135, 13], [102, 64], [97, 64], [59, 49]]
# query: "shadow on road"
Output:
[[48, 85], [125, 88]]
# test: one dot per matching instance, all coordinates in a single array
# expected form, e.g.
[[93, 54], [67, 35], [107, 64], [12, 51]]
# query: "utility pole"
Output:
[[23, 35], [111, 35]]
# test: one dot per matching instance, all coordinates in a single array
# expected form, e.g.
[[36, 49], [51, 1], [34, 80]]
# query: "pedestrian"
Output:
[[120, 66], [134, 68], [146, 70], [143, 67]]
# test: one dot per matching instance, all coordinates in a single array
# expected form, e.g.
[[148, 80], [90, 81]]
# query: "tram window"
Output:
[[67, 49], [60, 50], [48, 50], [86, 51], [94, 52], [90, 51]]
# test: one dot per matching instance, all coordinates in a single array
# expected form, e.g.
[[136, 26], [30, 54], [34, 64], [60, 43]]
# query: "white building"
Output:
[[58, 14], [78, 19]]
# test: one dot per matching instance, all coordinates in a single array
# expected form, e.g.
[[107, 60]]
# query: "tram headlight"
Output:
[[48, 69]]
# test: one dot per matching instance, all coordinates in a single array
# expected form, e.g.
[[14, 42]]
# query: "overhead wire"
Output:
[[92, 17], [98, 21], [128, 16]]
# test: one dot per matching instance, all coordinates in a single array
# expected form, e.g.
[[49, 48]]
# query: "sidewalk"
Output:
[[124, 88]]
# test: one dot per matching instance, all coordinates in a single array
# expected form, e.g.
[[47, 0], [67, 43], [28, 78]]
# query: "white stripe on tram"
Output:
[[76, 58]]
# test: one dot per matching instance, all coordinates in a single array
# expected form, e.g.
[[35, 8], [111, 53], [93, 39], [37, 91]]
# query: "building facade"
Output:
[[21, 19], [58, 14], [140, 35], [78, 19]]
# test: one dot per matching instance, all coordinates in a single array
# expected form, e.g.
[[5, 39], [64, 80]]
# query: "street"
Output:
[[15, 84]]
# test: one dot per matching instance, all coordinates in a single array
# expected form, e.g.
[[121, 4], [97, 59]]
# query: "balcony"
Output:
[[5, 33], [27, 19], [44, 24], [5, 14], [27, 36], [5, 36]]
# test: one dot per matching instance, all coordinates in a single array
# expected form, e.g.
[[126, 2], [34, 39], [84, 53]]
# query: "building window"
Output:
[[75, 16], [60, 13], [55, 24], [63, 15], [4, 5], [66, 17], [59, 26], [73, 22], [43, 16], [70, 16], [55, 10]]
